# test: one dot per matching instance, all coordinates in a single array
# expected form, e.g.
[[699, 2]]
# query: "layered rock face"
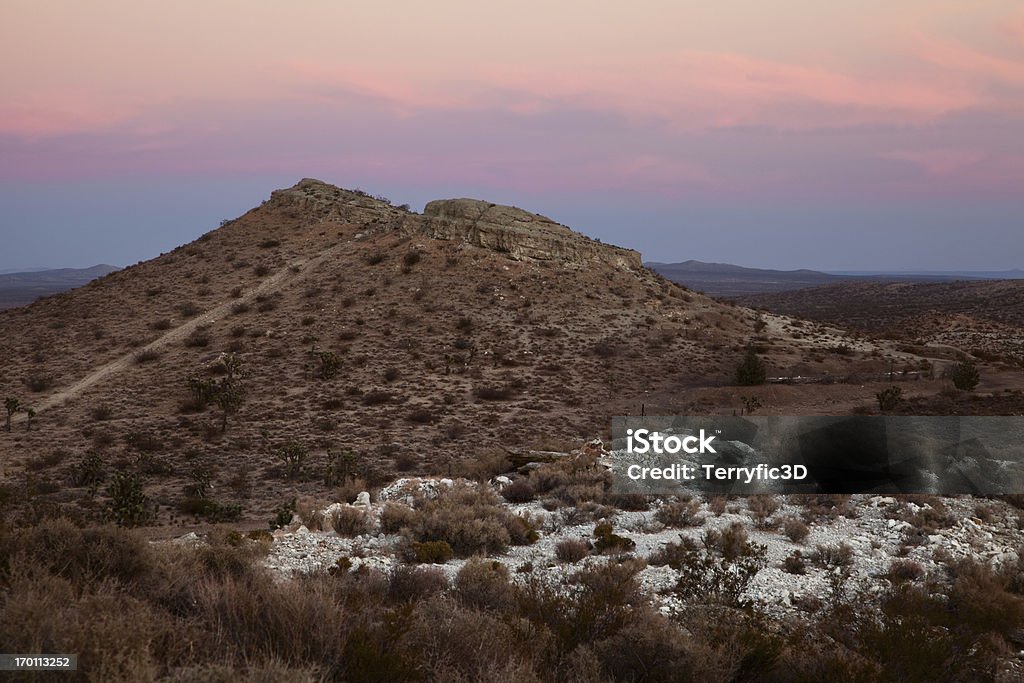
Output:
[[522, 235]]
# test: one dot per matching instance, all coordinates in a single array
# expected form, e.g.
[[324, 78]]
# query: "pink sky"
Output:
[[779, 100]]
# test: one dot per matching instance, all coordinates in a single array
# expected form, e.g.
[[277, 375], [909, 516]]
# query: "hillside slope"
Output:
[[414, 342]]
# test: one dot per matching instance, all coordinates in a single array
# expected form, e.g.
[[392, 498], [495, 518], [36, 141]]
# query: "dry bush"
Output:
[[394, 517], [682, 513], [833, 556], [484, 584], [409, 584], [571, 550], [519, 491], [470, 519], [717, 504], [795, 530], [823, 506], [795, 563], [350, 521], [761, 508], [429, 552], [901, 571]]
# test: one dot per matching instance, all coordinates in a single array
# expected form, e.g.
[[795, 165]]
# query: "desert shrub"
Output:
[[761, 508], [751, 371], [239, 307], [431, 552], [964, 375], [470, 520], [901, 571], [795, 563], [795, 530], [396, 516], [350, 521], [889, 399], [484, 584], [391, 374], [717, 505], [270, 243], [101, 412], [199, 338], [409, 584], [411, 258], [373, 258], [261, 270], [188, 309], [823, 505], [161, 324], [606, 540], [82, 556], [718, 574], [682, 513], [833, 556], [519, 491], [571, 550], [37, 381]]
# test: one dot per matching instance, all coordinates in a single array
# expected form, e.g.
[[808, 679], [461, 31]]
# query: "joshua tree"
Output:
[[29, 416], [750, 404], [13, 406], [229, 397], [232, 364], [889, 398]]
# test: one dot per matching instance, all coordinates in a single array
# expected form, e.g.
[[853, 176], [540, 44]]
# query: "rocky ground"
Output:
[[879, 530]]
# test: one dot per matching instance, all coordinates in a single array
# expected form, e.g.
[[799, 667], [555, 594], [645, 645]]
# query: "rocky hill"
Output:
[[361, 331]]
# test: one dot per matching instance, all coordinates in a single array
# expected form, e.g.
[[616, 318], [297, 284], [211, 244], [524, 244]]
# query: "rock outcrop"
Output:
[[522, 235]]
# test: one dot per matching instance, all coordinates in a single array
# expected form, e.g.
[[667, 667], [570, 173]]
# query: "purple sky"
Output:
[[847, 136]]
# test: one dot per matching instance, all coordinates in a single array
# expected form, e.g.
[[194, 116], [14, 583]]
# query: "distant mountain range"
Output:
[[19, 289], [728, 280]]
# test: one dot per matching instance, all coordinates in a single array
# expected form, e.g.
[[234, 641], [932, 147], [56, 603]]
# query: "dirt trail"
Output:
[[270, 284]]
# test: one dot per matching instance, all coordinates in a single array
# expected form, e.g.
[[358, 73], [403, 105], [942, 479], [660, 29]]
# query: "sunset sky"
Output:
[[848, 134]]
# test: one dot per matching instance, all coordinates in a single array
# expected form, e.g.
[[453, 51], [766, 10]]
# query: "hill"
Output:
[[18, 289], [369, 338], [727, 280]]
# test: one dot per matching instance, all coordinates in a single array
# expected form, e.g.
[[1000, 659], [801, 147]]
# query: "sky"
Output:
[[840, 135]]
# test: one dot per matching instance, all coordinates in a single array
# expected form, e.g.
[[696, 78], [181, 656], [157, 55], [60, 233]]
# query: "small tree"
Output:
[[751, 370], [229, 397], [889, 398], [965, 375], [293, 456], [12, 405], [750, 404], [30, 415], [129, 505]]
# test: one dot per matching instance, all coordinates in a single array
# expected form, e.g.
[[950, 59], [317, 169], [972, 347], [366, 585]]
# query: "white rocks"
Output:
[[363, 499]]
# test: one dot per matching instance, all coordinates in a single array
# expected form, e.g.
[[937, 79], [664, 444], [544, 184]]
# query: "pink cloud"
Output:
[[55, 114], [967, 61]]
